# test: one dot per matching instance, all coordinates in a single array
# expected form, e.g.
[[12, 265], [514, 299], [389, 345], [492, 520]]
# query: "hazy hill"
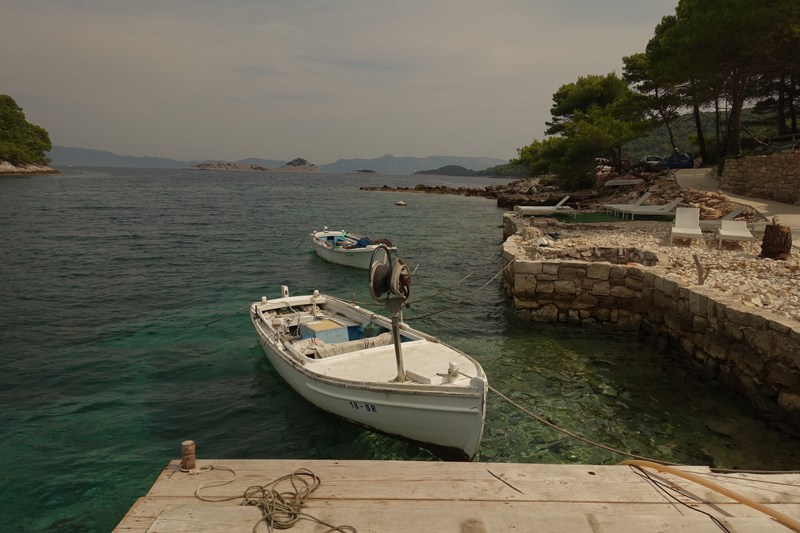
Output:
[[404, 166], [85, 157], [388, 164]]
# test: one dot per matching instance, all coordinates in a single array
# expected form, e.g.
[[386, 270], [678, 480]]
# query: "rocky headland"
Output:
[[25, 169], [524, 191]]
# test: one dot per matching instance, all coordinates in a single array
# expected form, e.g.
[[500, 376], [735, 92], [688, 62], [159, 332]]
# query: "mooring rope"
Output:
[[634, 456], [226, 316], [444, 290], [279, 509], [460, 282], [574, 436], [372, 304], [463, 299]]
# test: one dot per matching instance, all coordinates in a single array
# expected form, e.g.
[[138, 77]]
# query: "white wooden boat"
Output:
[[341, 358], [345, 249]]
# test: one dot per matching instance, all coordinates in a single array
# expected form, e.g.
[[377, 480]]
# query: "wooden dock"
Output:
[[437, 497]]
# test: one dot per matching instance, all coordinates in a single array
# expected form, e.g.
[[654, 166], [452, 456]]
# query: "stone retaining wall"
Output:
[[772, 177], [746, 349]]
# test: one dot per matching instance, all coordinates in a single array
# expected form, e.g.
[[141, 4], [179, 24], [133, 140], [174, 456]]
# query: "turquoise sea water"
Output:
[[108, 275]]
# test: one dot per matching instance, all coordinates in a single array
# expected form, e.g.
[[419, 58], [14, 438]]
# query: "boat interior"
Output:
[[335, 239], [327, 336], [321, 331]]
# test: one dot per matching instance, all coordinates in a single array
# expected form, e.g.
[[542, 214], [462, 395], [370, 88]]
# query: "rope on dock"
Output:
[[279, 509]]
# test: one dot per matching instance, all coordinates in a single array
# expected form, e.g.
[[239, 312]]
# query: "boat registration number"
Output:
[[369, 407]]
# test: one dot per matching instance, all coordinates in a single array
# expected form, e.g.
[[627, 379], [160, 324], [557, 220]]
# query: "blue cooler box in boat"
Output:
[[325, 330]]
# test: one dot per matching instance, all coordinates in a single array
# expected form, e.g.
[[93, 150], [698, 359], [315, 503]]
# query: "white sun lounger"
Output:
[[730, 216], [657, 210], [687, 224], [640, 201], [734, 230], [522, 210]]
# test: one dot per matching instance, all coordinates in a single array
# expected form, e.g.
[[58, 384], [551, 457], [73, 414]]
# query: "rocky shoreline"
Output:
[[524, 191], [25, 169]]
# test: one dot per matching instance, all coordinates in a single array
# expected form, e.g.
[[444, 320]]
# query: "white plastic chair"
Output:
[[640, 201], [730, 216], [734, 230], [687, 224], [559, 208], [650, 209]]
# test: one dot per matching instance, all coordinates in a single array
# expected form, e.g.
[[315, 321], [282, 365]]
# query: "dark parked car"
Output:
[[671, 161]]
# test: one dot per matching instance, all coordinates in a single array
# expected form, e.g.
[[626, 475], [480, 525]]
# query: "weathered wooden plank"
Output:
[[467, 481], [134, 524], [153, 507], [199, 519]]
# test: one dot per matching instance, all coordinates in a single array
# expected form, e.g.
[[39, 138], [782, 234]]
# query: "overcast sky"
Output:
[[317, 79]]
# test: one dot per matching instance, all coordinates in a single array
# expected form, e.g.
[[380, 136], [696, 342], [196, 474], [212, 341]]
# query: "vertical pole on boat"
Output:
[[394, 279], [394, 306], [398, 350]]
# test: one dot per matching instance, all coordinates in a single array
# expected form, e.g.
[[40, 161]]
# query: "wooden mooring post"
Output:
[[187, 455]]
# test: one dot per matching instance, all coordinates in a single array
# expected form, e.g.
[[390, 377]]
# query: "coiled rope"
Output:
[[280, 509]]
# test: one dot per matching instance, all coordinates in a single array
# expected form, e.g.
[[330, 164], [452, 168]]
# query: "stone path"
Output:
[[702, 179]]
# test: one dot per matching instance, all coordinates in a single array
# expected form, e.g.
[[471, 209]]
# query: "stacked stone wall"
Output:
[[746, 349], [772, 177]]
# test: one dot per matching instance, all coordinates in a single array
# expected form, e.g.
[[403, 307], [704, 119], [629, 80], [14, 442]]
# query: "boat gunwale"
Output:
[[400, 388], [315, 240]]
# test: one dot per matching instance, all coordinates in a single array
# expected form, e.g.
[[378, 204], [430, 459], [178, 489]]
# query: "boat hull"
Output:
[[353, 257], [449, 424], [356, 258]]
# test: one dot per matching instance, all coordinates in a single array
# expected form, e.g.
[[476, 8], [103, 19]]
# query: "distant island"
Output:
[[216, 165], [296, 165], [364, 171], [387, 164]]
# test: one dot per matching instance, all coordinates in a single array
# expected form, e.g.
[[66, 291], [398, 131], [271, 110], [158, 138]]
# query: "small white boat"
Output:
[[401, 202], [345, 249], [342, 358]]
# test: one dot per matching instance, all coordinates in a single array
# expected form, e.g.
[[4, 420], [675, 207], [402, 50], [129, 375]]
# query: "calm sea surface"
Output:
[[107, 277]]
